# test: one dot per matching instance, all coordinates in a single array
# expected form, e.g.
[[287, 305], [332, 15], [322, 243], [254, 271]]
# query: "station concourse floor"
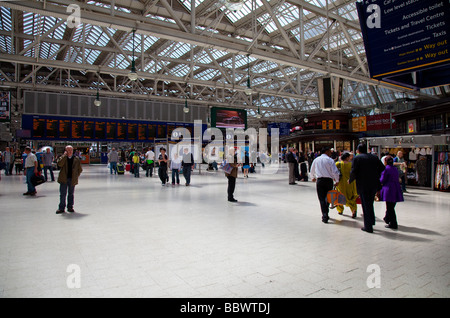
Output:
[[131, 237]]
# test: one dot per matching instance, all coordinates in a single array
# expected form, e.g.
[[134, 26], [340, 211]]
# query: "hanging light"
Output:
[[97, 101], [133, 75], [305, 120], [258, 115], [186, 108], [248, 89]]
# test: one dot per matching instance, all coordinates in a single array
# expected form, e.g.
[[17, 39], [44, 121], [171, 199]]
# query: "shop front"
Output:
[[427, 158]]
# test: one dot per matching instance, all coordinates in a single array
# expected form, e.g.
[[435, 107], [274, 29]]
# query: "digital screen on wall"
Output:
[[407, 42], [228, 118], [5, 106], [83, 129]]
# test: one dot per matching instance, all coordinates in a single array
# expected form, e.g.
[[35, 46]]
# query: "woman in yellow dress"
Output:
[[348, 190]]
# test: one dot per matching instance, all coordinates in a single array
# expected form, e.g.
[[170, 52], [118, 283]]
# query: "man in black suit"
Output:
[[366, 170]]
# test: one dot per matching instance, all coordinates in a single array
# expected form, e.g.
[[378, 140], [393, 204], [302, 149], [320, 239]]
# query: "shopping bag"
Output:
[[358, 200], [334, 197], [227, 168]]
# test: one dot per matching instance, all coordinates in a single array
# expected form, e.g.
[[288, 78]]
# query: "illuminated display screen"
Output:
[[228, 118], [38, 127], [100, 130], [121, 131], [64, 129], [77, 129], [52, 128], [89, 129], [132, 131], [142, 131], [111, 129]]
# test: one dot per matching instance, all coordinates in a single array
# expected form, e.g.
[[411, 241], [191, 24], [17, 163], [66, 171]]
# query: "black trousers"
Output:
[[367, 197], [162, 172], [391, 217], [323, 185], [231, 187]]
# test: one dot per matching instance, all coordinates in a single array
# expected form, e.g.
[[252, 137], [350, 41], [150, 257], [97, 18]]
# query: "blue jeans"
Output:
[[7, 167], [51, 172], [113, 167], [175, 173], [30, 173], [63, 189]]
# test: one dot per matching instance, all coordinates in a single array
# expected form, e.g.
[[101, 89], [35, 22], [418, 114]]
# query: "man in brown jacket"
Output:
[[70, 166]]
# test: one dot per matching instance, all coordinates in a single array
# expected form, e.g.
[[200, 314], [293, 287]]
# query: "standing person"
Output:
[[70, 170], [188, 165], [366, 170], [162, 170], [290, 159], [348, 190], [8, 159], [150, 157], [323, 169], [303, 168], [47, 159], [113, 158], [246, 165], [18, 161], [232, 160], [175, 165], [390, 192], [400, 163], [136, 159], [31, 168]]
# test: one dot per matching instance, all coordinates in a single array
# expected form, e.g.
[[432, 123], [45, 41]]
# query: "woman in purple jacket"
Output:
[[390, 192]]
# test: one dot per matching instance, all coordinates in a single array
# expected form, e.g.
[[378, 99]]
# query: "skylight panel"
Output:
[[235, 16], [187, 3], [5, 44], [176, 50], [5, 19]]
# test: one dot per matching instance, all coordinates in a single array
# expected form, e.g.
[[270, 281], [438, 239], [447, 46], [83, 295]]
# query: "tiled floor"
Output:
[[134, 238]]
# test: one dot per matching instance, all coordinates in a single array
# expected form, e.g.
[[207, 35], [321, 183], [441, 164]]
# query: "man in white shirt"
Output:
[[324, 170], [150, 157], [31, 168]]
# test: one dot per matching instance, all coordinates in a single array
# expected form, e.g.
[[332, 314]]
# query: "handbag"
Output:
[[37, 179]]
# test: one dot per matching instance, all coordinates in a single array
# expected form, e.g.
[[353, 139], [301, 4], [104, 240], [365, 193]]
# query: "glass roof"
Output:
[[97, 45]]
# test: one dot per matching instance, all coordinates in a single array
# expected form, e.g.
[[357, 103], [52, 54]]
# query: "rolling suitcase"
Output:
[[120, 169]]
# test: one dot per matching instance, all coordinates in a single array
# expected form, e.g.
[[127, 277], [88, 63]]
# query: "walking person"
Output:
[[162, 170], [113, 158], [366, 170], [232, 160], [390, 192], [246, 165], [47, 159], [188, 165], [175, 166], [70, 170], [348, 190], [325, 173], [31, 168]]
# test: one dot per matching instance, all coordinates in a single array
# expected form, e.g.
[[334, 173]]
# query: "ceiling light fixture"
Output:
[[248, 89], [97, 101], [234, 5], [133, 75]]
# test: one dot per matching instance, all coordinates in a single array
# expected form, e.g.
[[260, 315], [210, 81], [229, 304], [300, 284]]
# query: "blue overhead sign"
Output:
[[407, 42]]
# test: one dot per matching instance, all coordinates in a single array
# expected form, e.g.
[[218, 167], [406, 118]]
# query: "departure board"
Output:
[[121, 131], [142, 131], [100, 130], [152, 131], [89, 129], [52, 128], [132, 131], [38, 127], [64, 129], [162, 131], [77, 129], [111, 128]]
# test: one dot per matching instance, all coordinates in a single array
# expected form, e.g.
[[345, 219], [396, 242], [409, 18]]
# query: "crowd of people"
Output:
[[360, 178]]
